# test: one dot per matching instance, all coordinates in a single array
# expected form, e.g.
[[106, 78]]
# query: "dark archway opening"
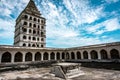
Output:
[[72, 55], [52, 55], [85, 55], [103, 54], [94, 54], [37, 56], [58, 56], [18, 57], [63, 55], [114, 54], [78, 55], [45, 57], [28, 56], [6, 57]]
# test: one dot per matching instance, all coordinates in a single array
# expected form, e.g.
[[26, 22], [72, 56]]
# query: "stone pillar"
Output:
[[75, 56], [41, 56], [69, 55], [89, 56], [108, 54], [49, 56], [0, 57], [55, 56], [23, 57], [33, 57], [82, 55], [13, 56], [99, 56]]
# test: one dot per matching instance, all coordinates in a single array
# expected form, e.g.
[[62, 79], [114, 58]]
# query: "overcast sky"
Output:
[[69, 23]]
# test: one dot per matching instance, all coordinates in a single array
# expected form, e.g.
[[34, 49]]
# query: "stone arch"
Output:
[[67, 56], [18, 57], [28, 56], [58, 56], [72, 55], [38, 56], [103, 54], [94, 54], [114, 54], [63, 55], [52, 56], [33, 45], [45, 56], [85, 55], [78, 55], [6, 57]]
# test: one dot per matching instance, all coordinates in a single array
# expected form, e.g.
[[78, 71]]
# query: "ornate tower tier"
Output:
[[30, 28]]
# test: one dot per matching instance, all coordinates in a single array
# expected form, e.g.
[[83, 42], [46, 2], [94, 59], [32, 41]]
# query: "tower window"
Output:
[[33, 45], [29, 38], [24, 44], [38, 39], [38, 20], [29, 30], [42, 27], [25, 23], [30, 24], [38, 26], [42, 21], [30, 18], [41, 45], [34, 25], [29, 45], [26, 17], [34, 31], [42, 39], [24, 30], [34, 38], [34, 19], [24, 37]]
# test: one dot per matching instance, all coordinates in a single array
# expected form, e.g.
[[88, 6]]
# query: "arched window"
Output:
[[42, 34], [29, 30], [42, 21], [28, 56], [58, 56], [24, 29], [25, 23], [78, 55], [67, 56], [34, 19], [34, 38], [30, 24], [52, 55], [29, 37], [34, 32], [114, 54], [42, 27], [37, 45], [42, 46], [34, 25], [38, 20], [6, 57], [72, 55], [33, 45], [24, 44], [45, 56], [24, 37], [18, 57], [29, 45], [30, 18], [37, 56], [38, 27], [94, 54], [85, 55], [63, 55], [103, 54], [42, 39], [26, 17], [37, 39]]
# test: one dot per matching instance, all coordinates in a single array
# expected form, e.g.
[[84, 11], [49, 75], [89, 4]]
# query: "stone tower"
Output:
[[30, 28]]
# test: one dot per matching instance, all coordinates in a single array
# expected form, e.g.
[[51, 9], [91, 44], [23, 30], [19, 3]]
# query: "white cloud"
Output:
[[108, 25]]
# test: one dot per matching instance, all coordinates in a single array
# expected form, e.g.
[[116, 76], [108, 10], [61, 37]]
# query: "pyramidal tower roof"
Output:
[[31, 8]]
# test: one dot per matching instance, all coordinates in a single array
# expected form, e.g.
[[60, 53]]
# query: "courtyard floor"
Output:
[[43, 74]]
